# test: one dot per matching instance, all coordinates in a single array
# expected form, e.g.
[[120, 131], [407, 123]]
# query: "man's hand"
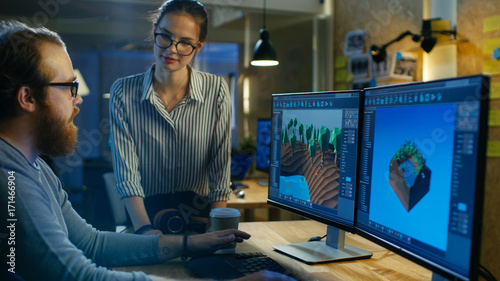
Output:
[[171, 246], [210, 242]]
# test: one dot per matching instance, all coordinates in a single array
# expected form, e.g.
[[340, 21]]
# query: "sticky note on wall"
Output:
[[491, 67], [495, 90], [340, 62], [489, 45], [491, 24], [493, 149], [496, 54], [494, 118], [341, 75]]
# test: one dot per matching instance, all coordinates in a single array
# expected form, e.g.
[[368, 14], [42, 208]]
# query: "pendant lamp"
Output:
[[264, 53]]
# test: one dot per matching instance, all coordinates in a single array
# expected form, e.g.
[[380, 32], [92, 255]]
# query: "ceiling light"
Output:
[[264, 53]]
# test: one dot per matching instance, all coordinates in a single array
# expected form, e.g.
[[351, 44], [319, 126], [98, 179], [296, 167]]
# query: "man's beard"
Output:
[[55, 137]]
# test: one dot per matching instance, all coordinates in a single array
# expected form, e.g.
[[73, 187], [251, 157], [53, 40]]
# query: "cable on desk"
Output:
[[484, 272], [316, 238]]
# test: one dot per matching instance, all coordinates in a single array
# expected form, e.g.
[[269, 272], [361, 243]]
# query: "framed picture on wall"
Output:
[[404, 65]]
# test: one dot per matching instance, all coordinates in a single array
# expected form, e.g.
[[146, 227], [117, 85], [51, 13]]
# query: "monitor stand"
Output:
[[332, 250]]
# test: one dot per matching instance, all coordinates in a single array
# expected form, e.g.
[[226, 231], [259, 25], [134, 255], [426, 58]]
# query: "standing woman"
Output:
[[170, 128]]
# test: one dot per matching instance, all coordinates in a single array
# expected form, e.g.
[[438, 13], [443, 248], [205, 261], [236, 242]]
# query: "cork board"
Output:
[[470, 16]]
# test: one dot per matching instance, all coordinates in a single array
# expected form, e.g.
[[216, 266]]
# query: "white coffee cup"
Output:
[[225, 218]]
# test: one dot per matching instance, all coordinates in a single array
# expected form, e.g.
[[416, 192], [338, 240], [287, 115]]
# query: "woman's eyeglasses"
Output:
[[164, 41]]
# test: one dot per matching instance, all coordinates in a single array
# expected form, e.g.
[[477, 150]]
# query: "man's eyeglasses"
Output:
[[73, 86], [164, 41]]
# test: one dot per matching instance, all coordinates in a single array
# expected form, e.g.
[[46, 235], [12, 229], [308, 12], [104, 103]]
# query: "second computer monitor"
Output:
[[422, 166]]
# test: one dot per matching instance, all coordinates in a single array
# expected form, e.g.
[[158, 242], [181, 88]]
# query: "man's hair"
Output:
[[20, 63]]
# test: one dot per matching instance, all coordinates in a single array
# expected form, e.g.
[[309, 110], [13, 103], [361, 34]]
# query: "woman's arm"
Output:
[[125, 159], [219, 171], [138, 215]]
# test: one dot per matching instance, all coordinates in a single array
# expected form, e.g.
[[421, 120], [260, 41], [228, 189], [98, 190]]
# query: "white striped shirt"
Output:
[[188, 149]]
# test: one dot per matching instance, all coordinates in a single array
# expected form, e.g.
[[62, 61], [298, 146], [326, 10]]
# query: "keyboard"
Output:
[[233, 265]]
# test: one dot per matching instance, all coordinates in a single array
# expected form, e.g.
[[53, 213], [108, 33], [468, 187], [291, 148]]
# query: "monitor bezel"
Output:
[[480, 187], [310, 215], [261, 169]]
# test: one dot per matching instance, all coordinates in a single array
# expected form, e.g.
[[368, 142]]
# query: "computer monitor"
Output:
[[313, 168], [422, 167], [263, 148]]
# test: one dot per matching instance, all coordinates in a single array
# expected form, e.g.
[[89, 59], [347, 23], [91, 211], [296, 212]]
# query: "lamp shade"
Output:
[[83, 89], [264, 53]]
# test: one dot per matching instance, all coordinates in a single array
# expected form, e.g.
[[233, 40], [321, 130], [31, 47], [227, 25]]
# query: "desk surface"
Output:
[[384, 265], [255, 196]]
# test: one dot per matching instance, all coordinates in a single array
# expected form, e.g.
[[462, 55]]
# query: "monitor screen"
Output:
[[263, 145], [313, 156], [421, 175]]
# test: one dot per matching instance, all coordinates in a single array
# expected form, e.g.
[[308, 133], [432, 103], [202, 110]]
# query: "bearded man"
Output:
[[46, 239]]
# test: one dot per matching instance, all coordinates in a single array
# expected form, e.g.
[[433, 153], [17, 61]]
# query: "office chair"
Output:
[[116, 204]]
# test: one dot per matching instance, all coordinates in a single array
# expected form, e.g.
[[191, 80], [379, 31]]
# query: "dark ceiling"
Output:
[[124, 24]]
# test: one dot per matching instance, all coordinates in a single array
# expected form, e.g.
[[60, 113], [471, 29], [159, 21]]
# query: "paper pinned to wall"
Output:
[[491, 23], [354, 42]]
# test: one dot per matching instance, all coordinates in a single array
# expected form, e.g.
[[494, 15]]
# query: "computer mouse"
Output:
[[239, 193]]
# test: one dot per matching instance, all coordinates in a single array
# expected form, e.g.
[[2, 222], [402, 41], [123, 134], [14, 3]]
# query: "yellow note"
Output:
[[341, 87], [494, 120], [491, 23], [489, 45], [340, 61], [340, 75], [493, 149], [495, 90], [491, 67], [350, 77]]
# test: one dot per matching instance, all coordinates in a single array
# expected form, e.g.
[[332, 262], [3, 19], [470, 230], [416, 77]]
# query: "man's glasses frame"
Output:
[[73, 87]]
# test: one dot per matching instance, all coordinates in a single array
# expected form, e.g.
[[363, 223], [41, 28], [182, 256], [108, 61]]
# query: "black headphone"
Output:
[[171, 221]]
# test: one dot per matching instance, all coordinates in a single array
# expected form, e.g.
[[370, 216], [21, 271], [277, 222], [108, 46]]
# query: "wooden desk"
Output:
[[255, 197], [384, 265]]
